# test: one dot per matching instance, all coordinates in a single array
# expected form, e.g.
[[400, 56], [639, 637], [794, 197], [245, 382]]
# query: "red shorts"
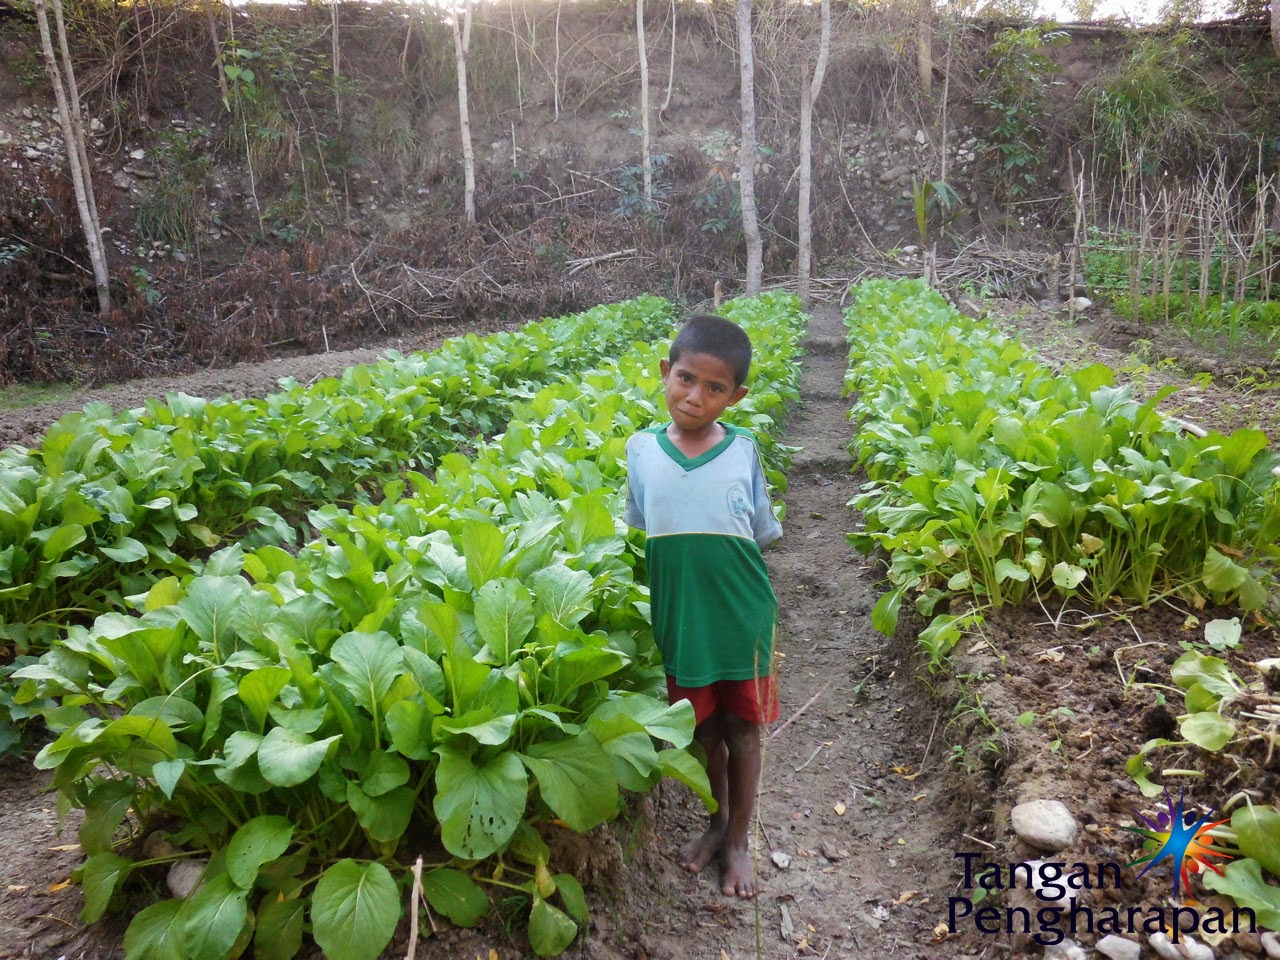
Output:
[[755, 701]]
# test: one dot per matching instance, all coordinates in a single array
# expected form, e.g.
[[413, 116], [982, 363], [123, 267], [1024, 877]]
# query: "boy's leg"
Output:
[[741, 739], [710, 735]]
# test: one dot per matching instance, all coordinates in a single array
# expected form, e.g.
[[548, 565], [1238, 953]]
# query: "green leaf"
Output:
[[1242, 882], [258, 841], [1258, 836], [277, 934], [126, 550], [1211, 673], [384, 818], [288, 758], [210, 607], [1067, 576], [575, 779], [383, 773], [212, 919], [527, 845], [409, 723], [61, 540], [367, 666], [1221, 574], [673, 722], [454, 894], [551, 930], [1140, 770], [103, 875], [635, 762], [1207, 729], [504, 616], [1222, 634], [354, 910], [154, 934], [562, 593], [575, 901], [884, 615], [484, 547], [478, 805], [259, 689], [166, 774], [1007, 569], [681, 765]]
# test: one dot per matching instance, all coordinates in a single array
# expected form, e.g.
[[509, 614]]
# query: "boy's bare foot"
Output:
[[739, 872], [698, 853]]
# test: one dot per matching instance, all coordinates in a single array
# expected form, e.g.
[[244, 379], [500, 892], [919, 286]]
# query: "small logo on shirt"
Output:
[[739, 505]]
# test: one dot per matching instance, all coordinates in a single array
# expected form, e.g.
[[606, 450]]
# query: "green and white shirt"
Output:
[[714, 610]]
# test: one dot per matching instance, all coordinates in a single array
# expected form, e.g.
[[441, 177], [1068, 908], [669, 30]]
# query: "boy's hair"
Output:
[[720, 338]]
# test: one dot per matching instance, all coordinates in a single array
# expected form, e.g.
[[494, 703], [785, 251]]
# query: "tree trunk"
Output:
[[555, 66], [671, 63], [924, 47], [747, 151], [808, 94], [461, 46], [646, 162], [68, 99], [1275, 27]]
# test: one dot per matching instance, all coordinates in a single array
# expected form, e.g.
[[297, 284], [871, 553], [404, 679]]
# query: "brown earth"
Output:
[[879, 772]]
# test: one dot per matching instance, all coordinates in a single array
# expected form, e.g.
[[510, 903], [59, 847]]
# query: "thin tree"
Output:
[[461, 46], [646, 161], [747, 151], [1275, 27], [924, 46], [808, 96], [66, 93], [671, 63]]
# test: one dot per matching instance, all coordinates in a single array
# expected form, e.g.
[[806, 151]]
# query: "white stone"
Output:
[[1163, 947], [1271, 944], [95, 125], [1118, 948], [1045, 824], [1065, 899], [184, 877], [1193, 949], [781, 859], [921, 137], [137, 154], [1068, 949]]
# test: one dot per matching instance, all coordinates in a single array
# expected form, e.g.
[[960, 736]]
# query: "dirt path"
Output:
[[851, 821]]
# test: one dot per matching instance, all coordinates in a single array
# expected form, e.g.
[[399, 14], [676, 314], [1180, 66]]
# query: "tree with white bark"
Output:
[[809, 90], [646, 161], [747, 151], [461, 47], [63, 79]]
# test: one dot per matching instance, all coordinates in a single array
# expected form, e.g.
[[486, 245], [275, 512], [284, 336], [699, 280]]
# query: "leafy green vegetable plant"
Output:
[[991, 475], [456, 672], [109, 503]]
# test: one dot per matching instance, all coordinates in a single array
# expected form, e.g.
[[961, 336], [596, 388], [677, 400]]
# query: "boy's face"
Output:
[[699, 387]]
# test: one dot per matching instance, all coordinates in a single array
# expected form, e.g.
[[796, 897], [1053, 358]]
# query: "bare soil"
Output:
[[878, 774]]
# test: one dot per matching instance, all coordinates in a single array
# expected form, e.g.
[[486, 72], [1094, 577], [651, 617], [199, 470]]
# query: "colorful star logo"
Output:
[[1187, 844]]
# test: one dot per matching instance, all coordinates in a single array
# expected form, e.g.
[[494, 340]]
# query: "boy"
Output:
[[697, 487]]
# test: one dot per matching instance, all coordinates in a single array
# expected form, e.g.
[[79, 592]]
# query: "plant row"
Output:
[[110, 502], [993, 476], [453, 674]]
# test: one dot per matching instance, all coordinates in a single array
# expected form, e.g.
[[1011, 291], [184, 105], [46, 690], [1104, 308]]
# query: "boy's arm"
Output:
[[764, 522], [633, 515]]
